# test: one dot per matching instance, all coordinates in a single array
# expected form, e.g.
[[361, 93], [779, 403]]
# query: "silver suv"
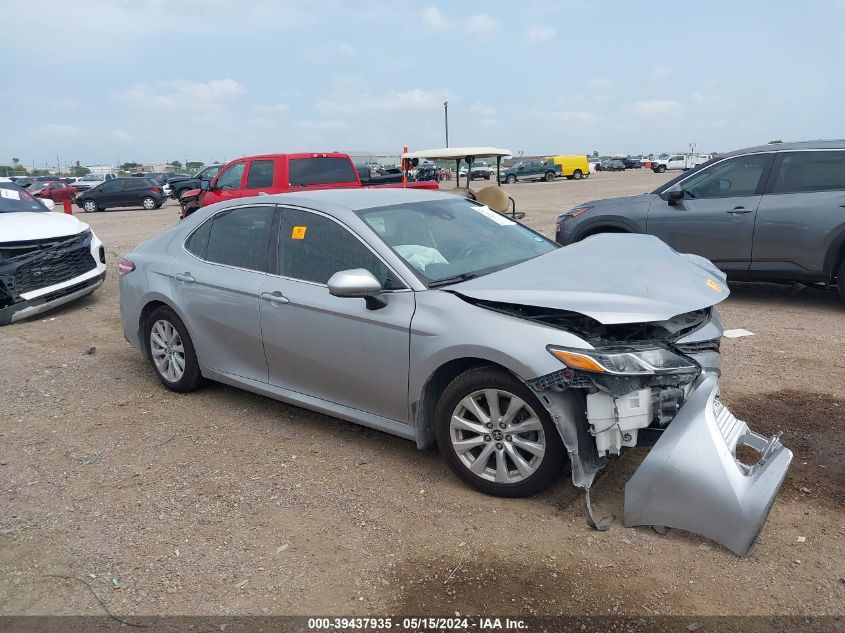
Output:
[[769, 213]]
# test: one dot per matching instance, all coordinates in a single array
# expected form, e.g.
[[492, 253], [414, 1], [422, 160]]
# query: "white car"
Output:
[[46, 259], [85, 183], [679, 162]]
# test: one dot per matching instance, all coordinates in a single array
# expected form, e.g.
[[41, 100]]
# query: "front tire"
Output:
[[148, 202], [510, 179], [496, 435], [661, 169], [172, 351], [90, 206]]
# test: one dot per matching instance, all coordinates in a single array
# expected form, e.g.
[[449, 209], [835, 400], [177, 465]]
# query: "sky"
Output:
[[101, 81]]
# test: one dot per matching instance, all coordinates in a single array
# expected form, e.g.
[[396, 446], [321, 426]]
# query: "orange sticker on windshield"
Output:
[[298, 233]]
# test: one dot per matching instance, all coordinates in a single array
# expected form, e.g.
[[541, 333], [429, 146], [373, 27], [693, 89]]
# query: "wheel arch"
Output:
[[151, 304], [605, 225], [835, 254], [425, 404]]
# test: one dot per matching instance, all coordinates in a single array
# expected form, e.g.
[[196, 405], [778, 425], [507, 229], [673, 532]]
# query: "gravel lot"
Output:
[[224, 502]]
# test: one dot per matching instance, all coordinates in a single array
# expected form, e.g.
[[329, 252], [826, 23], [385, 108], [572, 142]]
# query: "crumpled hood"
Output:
[[612, 278], [38, 225]]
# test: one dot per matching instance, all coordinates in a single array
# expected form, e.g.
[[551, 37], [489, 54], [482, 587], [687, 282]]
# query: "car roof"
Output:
[[780, 147], [353, 199]]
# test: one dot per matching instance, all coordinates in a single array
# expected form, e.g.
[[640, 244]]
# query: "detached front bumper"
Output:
[[692, 480]]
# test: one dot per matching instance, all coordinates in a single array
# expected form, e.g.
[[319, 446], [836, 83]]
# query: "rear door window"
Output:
[[231, 178], [240, 237], [809, 171], [260, 174], [321, 170]]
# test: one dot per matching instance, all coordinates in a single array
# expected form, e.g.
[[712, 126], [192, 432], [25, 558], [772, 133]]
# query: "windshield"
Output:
[[453, 237], [14, 199]]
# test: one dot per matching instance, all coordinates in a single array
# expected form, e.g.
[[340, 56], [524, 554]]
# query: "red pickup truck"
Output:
[[279, 173]]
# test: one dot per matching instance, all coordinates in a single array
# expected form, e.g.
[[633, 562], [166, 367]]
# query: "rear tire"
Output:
[[172, 351], [840, 280], [484, 447], [148, 202], [577, 174], [550, 175]]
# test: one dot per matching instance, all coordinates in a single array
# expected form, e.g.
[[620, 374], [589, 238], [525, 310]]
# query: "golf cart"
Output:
[[493, 196]]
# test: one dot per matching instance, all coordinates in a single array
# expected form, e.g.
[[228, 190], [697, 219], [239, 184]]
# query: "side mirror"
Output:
[[674, 195], [205, 185], [357, 283]]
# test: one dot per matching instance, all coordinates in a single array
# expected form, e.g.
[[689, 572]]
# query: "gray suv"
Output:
[[769, 213]]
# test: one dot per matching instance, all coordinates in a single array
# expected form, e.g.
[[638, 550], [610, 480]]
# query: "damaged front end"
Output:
[[657, 384]]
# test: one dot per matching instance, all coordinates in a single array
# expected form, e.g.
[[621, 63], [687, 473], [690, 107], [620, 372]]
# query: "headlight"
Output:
[[643, 362]]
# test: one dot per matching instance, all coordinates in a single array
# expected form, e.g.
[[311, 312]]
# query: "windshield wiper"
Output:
[[452, 280]]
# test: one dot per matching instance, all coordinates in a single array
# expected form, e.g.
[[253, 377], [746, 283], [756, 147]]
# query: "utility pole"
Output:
[[446, 120]]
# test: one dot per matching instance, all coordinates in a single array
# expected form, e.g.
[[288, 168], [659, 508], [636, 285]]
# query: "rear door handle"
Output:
[[275, 298], [188, 278], [738, 210]]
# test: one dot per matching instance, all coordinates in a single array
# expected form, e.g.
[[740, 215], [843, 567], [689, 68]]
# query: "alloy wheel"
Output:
[[497, 436], [167, 350]]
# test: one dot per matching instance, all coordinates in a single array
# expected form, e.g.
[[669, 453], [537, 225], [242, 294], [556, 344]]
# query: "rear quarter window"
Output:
[[321, 170]]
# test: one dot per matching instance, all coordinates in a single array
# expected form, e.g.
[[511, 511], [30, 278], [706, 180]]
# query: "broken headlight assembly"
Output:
[[623, 362]]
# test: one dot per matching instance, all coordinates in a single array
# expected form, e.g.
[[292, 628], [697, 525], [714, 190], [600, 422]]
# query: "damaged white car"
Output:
[[47, 259], [434, 318]]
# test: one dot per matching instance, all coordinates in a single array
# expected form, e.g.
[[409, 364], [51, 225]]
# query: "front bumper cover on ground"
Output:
[[692, 480]]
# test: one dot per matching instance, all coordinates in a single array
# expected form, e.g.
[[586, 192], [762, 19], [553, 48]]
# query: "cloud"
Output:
[[481, 26], [656, 107], [435, 20], [567, 118], [273, 109], [658, 71], [539, 33], [122, 136], [391, 101], [58, 129], [482, 109], [599, 83], [182, 96]]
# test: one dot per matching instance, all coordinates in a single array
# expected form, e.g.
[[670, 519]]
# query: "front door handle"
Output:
[[275, 298], [188, 278], [738, 210]]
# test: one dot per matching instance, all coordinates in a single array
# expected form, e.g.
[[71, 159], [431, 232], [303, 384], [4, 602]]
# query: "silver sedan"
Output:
[[434, 318]]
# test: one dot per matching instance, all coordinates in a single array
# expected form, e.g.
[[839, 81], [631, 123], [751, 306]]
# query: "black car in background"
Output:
[[632, 163], [611, 165], [122, 192], [180, 184]]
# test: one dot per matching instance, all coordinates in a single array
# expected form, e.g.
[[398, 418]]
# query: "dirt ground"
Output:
[[223, 502]]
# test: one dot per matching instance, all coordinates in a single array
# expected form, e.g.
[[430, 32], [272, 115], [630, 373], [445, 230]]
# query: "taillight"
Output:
[[124, 266], [156, 189]]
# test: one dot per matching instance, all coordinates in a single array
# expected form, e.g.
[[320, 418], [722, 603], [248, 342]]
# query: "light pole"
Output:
[[446, 120]]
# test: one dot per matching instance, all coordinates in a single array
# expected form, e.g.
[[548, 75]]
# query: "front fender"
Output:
[[446, 328]]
